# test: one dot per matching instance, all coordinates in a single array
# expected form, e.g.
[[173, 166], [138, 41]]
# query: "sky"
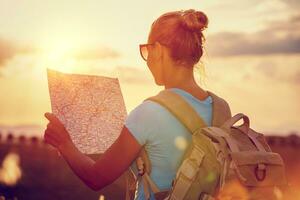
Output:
[[252, 54]]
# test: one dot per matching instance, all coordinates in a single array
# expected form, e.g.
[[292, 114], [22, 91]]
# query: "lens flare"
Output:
[[10, 172], [180, 143]]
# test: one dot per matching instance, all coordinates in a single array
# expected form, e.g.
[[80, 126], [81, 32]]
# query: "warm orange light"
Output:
[[10, 172]]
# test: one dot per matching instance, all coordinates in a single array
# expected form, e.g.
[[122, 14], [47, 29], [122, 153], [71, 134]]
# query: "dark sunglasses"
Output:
[[144, 50]]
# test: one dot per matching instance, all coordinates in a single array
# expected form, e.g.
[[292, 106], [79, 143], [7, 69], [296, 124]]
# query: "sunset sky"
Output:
[[252, 56]]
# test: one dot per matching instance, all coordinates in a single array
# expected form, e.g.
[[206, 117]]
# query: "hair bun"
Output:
[[194, 20]]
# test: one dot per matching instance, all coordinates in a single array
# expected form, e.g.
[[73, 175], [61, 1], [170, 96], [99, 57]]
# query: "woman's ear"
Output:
[[158, 50]]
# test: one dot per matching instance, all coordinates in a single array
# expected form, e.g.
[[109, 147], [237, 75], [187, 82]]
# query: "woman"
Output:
[[175, 45]]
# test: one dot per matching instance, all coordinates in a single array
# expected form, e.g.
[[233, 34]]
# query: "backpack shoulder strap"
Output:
[[221, 110], [187, 115], [184, 112], [180, 108]]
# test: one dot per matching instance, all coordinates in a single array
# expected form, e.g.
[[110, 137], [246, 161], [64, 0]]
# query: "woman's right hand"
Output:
[[55, 133]]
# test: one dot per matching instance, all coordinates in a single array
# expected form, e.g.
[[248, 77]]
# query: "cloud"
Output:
[[7, 51], [96, 53], [279, 37], [296, 78], [10, 50], [133, 74], [267, 69], [294, 4], [274, 69]]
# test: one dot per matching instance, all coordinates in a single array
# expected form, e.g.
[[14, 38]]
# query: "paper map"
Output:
[[91, 108]]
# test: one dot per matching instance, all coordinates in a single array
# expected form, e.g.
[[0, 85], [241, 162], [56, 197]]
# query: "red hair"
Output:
[[181, 32]]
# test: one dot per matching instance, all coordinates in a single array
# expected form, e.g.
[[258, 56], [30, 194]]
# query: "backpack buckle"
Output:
[[260, 171]]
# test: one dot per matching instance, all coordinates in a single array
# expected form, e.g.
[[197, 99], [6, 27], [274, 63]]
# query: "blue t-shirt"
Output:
[[164, 137]]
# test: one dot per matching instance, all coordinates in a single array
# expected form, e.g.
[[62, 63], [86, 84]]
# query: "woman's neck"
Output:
[[188, 84], [180, 77], [182, 84]]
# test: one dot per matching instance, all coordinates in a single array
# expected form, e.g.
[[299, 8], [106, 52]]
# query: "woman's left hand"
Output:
[[56, 134]]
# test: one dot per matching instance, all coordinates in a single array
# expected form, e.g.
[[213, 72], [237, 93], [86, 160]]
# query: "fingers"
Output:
[[55, 133], [54, 122], [48, 139], [53, 127], [52, 118], [50, 126], [47, 134]]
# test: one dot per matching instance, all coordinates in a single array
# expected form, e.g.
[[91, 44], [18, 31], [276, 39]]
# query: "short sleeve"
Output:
[[141, 121]]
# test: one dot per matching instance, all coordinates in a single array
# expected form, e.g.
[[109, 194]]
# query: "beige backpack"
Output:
[[222, 162]]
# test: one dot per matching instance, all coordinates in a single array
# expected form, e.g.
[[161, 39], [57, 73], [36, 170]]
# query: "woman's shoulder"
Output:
[[145, 120], [149, 111], [146, 109], [191, 97]]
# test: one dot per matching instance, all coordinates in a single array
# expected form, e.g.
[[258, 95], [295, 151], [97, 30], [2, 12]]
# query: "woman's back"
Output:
[[163, 136], [174, 47]]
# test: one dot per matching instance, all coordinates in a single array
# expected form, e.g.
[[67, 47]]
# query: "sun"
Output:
[[59, 50], [59, 54]]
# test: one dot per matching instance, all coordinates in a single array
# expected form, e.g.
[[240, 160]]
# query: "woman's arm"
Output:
[[96, 174]]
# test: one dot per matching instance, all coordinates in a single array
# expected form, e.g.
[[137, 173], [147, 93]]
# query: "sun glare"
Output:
[[59, 54], [59, 51]]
